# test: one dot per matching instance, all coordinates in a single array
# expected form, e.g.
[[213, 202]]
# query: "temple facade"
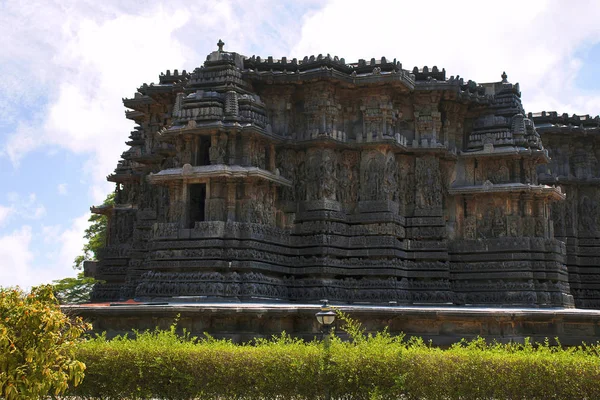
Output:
[[297, 180], [573, 144]]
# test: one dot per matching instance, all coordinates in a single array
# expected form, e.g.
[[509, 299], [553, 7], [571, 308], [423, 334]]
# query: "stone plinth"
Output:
[[442, 325]]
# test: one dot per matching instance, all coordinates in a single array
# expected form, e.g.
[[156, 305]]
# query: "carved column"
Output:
[[176, 203], [528, 205], [417, 129], [514, 204], [246, 207], [528, 219], [185, 198], [215, 203], [516, 170], [470, 219], [231, 200], [186, 157], [541, 222], [435, 125], [271, 160], [246, 145], [213, 153], [513, 217], [233, 138]]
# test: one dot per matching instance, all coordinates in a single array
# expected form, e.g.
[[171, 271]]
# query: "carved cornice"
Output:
[[489, 188], [216, 171], [492, 151]]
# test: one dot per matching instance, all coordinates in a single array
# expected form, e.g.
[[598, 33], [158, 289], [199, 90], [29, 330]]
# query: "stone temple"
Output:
[[295, 180]]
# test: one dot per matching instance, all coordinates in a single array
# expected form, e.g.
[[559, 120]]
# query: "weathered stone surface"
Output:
[[574, 145], [442, 325], [254, 178]]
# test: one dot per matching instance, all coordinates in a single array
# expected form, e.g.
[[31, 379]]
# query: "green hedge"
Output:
[[163, 365]]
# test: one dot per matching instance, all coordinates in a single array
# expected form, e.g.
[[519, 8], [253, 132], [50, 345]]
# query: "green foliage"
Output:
[[73, 290], [95, 235], [161, 364], [78, 289], [37, 345]]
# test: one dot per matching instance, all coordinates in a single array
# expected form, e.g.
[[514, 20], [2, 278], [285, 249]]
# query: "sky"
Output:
[[66, 65]]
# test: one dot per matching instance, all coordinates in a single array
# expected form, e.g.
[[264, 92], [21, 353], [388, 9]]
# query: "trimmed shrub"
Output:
[[164, 365]]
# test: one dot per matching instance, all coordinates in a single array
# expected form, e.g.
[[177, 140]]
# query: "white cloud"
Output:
[[533, 41], [51, 233], [66, 244], [63, 81], [63, 189], [5, 212], [71, 242], [98, 64], [16, 258], [89, 55], [26, 207], [21, 265]]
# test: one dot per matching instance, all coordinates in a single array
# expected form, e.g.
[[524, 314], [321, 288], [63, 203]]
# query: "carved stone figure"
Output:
[[373, 175], [428, 183], [287, 165], [328, 175], [390, 181], [219, 150]]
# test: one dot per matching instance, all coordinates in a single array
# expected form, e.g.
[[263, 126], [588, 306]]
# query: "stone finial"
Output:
[[504, 76], [220, 44]]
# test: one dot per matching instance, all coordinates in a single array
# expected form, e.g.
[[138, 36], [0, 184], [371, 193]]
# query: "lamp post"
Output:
[[326, 318]]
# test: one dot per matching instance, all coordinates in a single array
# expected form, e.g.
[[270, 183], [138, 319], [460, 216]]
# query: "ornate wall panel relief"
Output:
[[287, 164], [348, 177], [428, 183], [391, 178], [372, 175]]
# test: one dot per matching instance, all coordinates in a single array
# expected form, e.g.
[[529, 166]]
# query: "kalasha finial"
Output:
[[220, 44], [504, 76]]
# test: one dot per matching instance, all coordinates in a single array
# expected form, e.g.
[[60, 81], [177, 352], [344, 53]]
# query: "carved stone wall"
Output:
[[574, 145], [297, 180]]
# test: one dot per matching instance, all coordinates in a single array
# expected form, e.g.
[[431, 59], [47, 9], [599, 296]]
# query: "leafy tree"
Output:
[[37, 345], [95, 235], [73, 290], [77, 290]]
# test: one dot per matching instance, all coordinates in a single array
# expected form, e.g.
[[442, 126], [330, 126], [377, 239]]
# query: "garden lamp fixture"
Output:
[[326, 316]]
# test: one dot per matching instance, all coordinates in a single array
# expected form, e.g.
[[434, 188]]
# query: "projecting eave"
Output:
[[123, 177], [208, 127], [104, 209], [188, 173], [107, 209], [504, 151], [138, 102], [555, 193]]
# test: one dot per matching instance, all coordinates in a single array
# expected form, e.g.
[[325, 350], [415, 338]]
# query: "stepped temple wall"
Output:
[[298, 180]]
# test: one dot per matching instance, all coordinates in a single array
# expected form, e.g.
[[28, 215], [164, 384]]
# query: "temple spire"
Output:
[[220, 44], [504, 76]]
